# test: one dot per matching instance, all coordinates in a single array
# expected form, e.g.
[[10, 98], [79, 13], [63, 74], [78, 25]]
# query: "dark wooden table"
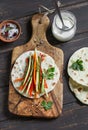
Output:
[[75, 115]]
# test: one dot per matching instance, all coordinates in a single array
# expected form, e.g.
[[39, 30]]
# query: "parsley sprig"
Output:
[[49, 73], [46, 105], [77, 65]]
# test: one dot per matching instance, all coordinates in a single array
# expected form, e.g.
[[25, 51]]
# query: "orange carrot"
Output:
[[45, 84], [21, 87], [18, 79], [31, 89]]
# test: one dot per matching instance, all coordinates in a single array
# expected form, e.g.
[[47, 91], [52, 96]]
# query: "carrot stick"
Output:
[[21, 87], [45, 84], [31, 89], [18, 79]]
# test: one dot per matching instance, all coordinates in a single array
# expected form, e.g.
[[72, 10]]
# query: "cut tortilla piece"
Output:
[[18, 71], [81, 77], [81, 92]]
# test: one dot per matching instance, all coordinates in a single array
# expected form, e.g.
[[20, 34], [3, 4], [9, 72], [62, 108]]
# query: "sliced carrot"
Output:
[[18, 79], [31, 89], [21, 87], [45, 84]]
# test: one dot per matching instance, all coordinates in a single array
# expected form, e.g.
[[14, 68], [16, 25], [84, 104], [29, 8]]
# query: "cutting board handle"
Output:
[[40, 23]]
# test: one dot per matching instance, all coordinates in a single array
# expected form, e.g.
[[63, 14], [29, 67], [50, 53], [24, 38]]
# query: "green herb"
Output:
[[49, 73], [8, 28], [47, 105], [77, 65]]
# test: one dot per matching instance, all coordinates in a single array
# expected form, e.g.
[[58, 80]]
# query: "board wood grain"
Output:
[[22, 106]]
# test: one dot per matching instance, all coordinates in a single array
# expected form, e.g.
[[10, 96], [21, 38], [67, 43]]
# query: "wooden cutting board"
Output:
[[22, 106]]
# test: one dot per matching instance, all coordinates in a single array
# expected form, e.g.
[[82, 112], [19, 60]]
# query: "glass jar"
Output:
[[69, 21]]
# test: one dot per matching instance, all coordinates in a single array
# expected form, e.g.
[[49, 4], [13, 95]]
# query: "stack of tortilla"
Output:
[[78, 80]]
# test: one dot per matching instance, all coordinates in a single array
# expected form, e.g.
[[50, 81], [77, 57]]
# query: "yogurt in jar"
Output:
[[69, 21]]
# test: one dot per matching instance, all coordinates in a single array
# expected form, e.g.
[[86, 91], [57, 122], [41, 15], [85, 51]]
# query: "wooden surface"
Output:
[[22, 106], [74, 115]]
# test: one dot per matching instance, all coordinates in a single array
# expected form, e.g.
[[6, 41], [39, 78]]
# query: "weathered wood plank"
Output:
[[5, 60], [7, 10], [69, 2], [3, 103], [5, 64], [4, 78]]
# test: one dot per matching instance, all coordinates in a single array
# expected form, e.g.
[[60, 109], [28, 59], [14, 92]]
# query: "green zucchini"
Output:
[[28, 83], [37, 75], [42, 86], [28, 70]]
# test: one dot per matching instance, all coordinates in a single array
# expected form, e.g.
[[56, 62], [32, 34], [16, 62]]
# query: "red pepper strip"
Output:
[[27, 60], [31, 88], [21, 87], [18, 79], [45, 84]]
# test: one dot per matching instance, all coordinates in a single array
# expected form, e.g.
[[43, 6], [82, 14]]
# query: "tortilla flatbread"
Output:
[[81, 92], [80, 77], [18, 71]]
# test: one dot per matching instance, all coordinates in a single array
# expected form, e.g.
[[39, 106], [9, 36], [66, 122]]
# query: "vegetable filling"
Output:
[[34, 81]]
